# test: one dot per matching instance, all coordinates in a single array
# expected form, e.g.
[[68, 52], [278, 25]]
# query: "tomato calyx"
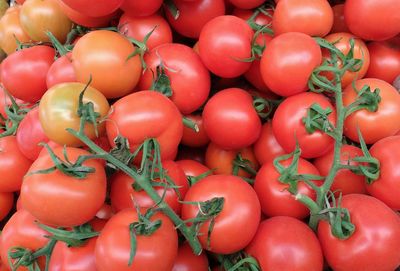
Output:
[[240, 163], [192, 179], [161, 81], [141, 47], [239, 261], [317, 119], [172, 8], [255, 26], [366, 99], [121, 152], [61, 49], [264, 107]]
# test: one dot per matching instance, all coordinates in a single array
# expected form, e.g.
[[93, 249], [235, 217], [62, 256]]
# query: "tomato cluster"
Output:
[[197, 135]]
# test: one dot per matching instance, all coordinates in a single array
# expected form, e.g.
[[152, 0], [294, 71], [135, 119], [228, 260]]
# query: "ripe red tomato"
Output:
[[373, 125], [141, 8], [293, 55], [6, 203], [372, 20], [301, 15], [192, 138], [224, 48], [284, 243], [61, 71], [81, 198], [346, 182], [94, 8], [23, 73], [266, 147], [375, 242], [187, 261], [192, 167], [153, 252], [339, 24], [288, 127], [247, 4], [229, 234], [143, 115], [231, 109]]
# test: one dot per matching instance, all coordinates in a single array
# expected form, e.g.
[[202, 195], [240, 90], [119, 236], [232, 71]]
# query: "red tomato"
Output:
[[288, 62], [13, 165], [229, 234], [61, 71], [94, 8], [187, 261], [23, 73], [6, 203], [375, 243], [140, 7], [373, 125], [288, 127], [372, 20], [231, 109], [29, 134], [192, 138], [385, 60], [202, 10], [266, 147], [224, 48], [275, 199], [81, 198], [339, 24], [285, 244], [192, 167], [138, 27], [247, 4], [301, 15], [143, 115], [189, 78], [346, 182], [153, 252]]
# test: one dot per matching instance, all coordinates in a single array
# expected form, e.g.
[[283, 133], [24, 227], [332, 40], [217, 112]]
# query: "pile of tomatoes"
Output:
[[199, 135]]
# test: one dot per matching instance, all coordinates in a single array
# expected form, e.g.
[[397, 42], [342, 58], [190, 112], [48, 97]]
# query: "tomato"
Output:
[[246, 4], [189, 79], [224, 48], [107, 63], [138, 27], [192, 167], [143, 115], [339, 24], [386, 187], [6, 203], [188, 261], [288, 127], [342, 42], [345, 182], [39, 16], [153, 252], [61, 71], [29, 134], [5, 101], [374, 243], [372, 20], [81, 198], [22, 231], [141, 8], [275, 199], [105, 212], [23, 73], [385, 60], [290, 55], [373, 125], [13, 165], [227, 110], [222, 161], [203, 10], [192, 138], [228, 234], [94, 8], [266, 148], [123, 194], [64, 258], [11, 29], [301, 15], [58, 111], [284, 243]]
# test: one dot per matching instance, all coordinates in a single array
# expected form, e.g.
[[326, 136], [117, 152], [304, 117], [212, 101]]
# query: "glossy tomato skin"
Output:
[[30, 134], [287, 125], [58, 111], [301, 15], [286, 244], [192, 167], [294, 54], [229, 234], [339, 24], [6, 203], [81, 198], [246, 4], [230, 119], [223, 48], [138, 27], [372, 20], [275, 199], [266, 147], [375, 242], [202, 10], [113, 245], [107, 63], [141, 8], [143, 115], [61, 71], [94, 8], [23, 73], [13, 165], [186, 260], [386, 187], [192, 138], [373, 125], [190, 80]]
